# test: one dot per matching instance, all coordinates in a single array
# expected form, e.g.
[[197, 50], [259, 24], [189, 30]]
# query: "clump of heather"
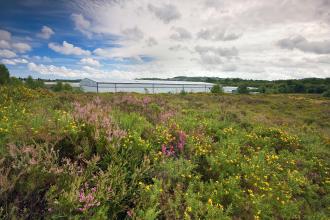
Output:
[[97, 115], [87, 198]]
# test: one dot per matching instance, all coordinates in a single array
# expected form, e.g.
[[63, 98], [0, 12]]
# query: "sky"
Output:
[[127, 39]]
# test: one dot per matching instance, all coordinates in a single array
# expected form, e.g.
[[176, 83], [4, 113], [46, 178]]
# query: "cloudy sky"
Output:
[[106, 39]]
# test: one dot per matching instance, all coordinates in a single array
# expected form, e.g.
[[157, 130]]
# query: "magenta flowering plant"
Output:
[[177, 144], [97, 114], [87, 198]]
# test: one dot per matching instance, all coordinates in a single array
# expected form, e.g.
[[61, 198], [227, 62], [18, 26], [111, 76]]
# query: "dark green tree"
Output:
[[242, 89], [4, 74], [217, 89]]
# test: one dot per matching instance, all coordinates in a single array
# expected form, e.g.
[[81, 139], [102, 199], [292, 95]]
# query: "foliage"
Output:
[[164, 156], [34, 84], [4, 74], [242, 89], [326, 93], [216, 89], [59, 86]]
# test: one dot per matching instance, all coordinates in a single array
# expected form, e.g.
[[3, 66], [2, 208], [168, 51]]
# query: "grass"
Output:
[[184, 156]]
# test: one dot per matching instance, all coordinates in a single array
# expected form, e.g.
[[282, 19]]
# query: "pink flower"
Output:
[[130, 213], [164, 149]]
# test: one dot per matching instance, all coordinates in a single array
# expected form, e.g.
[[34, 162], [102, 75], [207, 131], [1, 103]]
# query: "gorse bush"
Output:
[[132, 156]]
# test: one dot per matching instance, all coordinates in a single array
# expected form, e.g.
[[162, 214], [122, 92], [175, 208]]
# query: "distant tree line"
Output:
[[307, 85]]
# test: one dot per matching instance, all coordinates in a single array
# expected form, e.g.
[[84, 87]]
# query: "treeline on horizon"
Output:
[[306, 85]]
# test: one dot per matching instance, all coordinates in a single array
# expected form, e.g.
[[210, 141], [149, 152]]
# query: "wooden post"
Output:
[[115, 87], [97, 87]]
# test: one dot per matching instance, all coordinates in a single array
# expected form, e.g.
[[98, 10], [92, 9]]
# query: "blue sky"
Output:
[[109, 39]]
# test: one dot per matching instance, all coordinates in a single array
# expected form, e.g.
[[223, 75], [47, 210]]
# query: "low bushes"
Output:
[[156, 157]]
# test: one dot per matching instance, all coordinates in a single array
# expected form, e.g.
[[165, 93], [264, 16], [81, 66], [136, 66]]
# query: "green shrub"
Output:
[[59, 87], [34, 84], [242, 89], [216, 89], [326, 94], [4, 74]]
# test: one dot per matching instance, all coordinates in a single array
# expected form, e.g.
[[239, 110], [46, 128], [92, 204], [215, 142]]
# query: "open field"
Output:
[[184, 156]]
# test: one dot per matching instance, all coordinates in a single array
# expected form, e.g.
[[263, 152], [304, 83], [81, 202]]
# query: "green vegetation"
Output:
[[34, 84], [59, 86], [242, 89], [192, 156], [68, 155], [217, 89], [4, 74]]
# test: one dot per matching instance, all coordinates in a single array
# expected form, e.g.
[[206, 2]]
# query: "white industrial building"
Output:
[[144, 86]]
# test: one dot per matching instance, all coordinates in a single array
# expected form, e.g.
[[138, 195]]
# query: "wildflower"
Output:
[[130, 213], [210, 201]]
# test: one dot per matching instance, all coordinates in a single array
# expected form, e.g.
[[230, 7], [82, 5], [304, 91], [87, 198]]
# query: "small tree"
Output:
[[34, 84], [58, 87], [67, 87], [29, 82], [242, 89], [326, 93], [217, 89], [4, 74]]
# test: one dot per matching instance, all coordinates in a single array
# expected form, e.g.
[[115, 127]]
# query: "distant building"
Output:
[[144, 86]]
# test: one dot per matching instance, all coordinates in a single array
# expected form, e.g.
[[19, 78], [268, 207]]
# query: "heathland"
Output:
[[66, 155]]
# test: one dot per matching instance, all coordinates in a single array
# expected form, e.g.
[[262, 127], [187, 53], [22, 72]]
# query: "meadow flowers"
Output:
[[87, 198], [176, 143], [97, 115]]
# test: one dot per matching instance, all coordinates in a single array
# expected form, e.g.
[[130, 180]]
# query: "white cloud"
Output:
[[134, 34], [21, 47], [9, 42], [54, 70], [85, 71], [42, 58], [8, 62], [7, 53], [46, 32], [81, 24], [218, 34], [4, 44], [165, 12], [151, 42], [14, 61], [180, 34], [68, 49], [144, 28], [5, 35], [90, 62], [300, 43]]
